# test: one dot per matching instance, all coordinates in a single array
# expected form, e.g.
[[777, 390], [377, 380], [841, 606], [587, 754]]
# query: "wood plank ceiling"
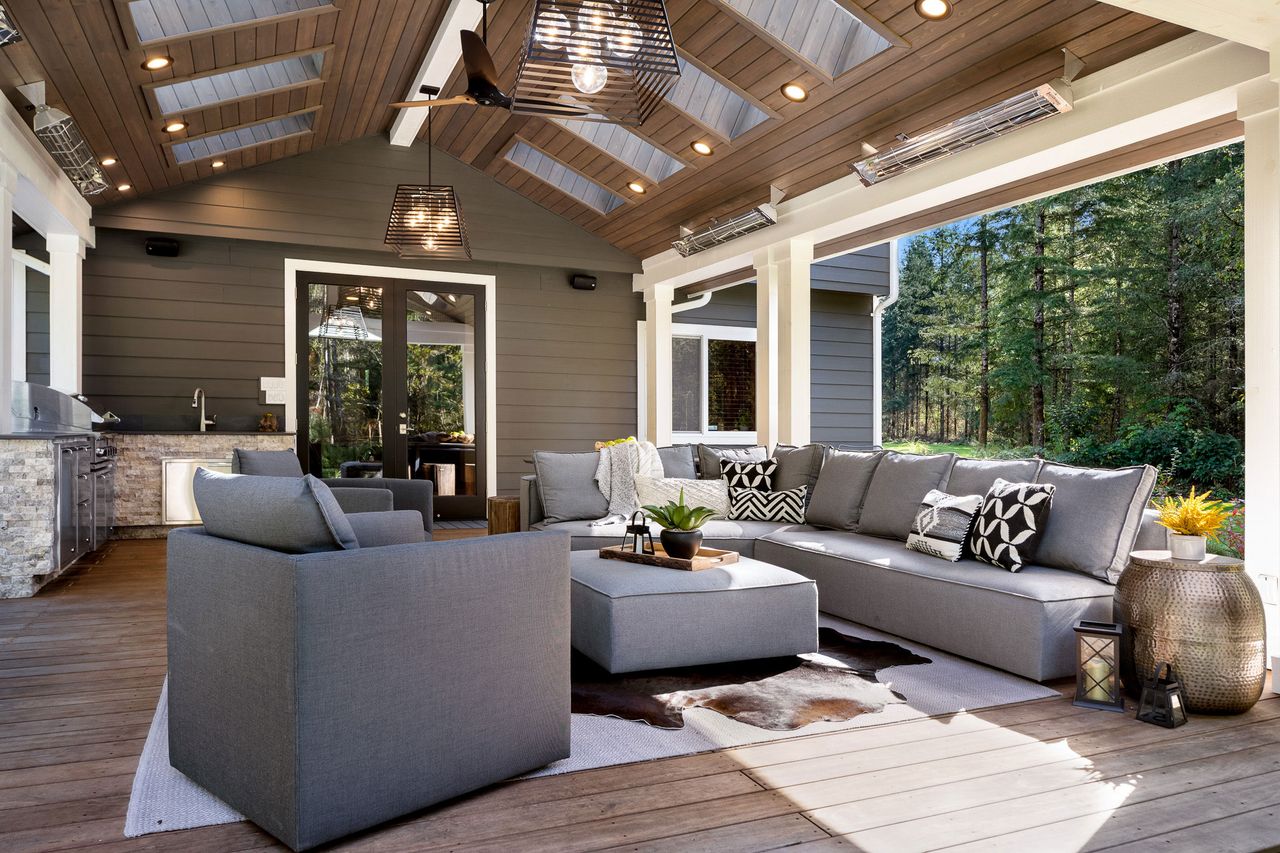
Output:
[[988, 50]]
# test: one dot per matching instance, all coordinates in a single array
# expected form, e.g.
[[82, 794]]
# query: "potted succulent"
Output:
[[681, 526], [1192, 521]]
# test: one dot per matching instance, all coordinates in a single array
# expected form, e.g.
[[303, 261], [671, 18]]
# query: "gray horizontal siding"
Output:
[[866, 271]]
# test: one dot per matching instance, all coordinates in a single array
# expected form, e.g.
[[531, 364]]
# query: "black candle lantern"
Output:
[[638, 538], [1164, 702], [1098, 666]]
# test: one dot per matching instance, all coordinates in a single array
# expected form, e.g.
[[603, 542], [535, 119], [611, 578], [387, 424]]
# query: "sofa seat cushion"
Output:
[[726, 535], [1021, 623]]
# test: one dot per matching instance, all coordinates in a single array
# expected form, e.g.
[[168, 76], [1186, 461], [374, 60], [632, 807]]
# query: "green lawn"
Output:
[[969, 451]]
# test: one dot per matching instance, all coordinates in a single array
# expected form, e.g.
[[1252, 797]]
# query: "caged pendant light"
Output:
[[426, 219], [597, 60]]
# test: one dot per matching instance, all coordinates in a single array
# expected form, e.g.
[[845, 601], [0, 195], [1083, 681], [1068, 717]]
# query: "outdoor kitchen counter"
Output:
[[139, 494]]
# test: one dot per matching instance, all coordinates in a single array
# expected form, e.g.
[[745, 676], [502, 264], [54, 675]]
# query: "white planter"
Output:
[[1186, 547]]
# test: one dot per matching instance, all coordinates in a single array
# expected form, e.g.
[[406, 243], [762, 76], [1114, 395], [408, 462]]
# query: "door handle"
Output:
[[404, 429]]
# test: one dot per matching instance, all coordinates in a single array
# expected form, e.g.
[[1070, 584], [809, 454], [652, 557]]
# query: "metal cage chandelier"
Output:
[[597, 60], [426, 219]]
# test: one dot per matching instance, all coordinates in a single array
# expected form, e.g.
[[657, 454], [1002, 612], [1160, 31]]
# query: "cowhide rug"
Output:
[[778, 694]]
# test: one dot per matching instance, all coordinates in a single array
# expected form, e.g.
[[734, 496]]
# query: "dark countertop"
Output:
[[41, 436], [212, 432]]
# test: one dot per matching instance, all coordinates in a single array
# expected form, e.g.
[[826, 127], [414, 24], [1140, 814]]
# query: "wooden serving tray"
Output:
[[706, 558]]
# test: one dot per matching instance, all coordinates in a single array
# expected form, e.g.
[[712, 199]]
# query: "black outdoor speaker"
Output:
[[162, 247], [583, 282]]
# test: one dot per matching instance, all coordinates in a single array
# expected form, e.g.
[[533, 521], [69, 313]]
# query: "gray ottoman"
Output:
[[629, 617]]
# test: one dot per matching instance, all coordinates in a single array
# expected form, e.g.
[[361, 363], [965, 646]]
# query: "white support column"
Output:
[[8, 183], [795, 354], [18, 321], [66, 315], [767, 343], [657, 363], [1259, 108]]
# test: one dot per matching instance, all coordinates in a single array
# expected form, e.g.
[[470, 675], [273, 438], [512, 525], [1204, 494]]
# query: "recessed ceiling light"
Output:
[[451, 297], [934, 10], [217, 164], [124, 187], [702, 148], [795, 92], [175, 126], [636, 187], [156, 63], [109, 161]]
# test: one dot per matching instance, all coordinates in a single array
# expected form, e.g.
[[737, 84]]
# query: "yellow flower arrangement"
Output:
[[601, 445], [1194, 515]]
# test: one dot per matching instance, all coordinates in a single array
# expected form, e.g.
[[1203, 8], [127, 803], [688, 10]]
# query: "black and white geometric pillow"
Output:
[[749, 475], [943, 523], [758, 505], [1009, 525]]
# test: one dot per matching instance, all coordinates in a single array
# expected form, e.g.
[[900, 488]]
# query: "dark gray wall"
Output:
[[37, 310], [865, 271]]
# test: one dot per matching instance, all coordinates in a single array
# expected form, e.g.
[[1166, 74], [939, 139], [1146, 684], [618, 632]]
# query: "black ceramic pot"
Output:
[[681, 544]]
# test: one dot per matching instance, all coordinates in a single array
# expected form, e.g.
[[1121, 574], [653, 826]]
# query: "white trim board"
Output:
[[293, 266]]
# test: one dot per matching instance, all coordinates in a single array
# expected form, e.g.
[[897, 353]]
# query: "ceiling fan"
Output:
[[482, 80]]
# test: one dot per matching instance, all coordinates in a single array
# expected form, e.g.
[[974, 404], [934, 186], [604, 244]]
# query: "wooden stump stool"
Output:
[[504, 515]]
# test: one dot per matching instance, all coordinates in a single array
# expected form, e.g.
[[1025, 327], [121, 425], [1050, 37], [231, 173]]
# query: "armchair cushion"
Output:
[[362, 500], [379, 529], [266, 463], [296, 515], [405, 494]]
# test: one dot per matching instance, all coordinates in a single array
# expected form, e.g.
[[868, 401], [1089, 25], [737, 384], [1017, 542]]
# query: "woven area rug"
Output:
[[163, 799]]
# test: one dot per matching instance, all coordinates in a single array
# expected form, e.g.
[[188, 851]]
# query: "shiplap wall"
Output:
[[37, 310]]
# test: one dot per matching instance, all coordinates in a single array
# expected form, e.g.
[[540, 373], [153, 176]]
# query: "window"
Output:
[[713, 383]]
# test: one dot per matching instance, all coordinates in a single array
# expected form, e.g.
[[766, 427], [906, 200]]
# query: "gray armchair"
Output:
[[323, 693], [352, 493]]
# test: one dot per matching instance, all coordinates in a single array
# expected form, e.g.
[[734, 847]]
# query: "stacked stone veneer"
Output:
[[28, 516], [139, 493]]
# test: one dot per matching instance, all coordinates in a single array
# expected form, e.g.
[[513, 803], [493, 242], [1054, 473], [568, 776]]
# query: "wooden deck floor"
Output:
[[81, 667]]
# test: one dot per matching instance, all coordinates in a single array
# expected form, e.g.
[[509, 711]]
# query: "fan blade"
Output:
[[443, 102], [477, 61]]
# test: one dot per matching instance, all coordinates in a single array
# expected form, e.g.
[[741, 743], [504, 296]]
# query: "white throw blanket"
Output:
[[616, 475]]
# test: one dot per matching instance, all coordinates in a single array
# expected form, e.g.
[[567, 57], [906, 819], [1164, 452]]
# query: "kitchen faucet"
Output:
[[197, 401]]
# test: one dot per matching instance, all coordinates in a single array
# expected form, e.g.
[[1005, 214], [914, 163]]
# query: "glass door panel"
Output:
[[345, 404]]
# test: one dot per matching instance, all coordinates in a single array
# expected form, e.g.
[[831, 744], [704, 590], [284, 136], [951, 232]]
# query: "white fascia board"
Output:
[[1255, 23], [1163, 90], [442, 57], [43, 196]]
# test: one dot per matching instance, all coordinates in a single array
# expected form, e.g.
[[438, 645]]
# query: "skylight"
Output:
[[713, 103], [649, 160], [563, 178], [225, 86], [158, 20], [227, 141], [825, 33]]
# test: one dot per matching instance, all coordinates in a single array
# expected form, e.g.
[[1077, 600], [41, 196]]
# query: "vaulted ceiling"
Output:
[[321, 72]]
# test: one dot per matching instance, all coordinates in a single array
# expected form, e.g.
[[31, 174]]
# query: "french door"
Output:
[[391, 384]]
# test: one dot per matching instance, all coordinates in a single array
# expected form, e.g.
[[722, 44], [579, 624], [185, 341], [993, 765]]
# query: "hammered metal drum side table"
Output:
[[1203, 616]]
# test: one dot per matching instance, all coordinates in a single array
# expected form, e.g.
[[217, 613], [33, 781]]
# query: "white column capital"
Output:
[[65, 243], [658, 299]]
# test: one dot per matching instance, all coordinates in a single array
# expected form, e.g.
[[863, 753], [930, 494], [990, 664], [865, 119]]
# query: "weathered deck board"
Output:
[[81, 668]]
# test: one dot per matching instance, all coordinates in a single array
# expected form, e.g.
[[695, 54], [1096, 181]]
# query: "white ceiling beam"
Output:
[[442, 58], [1255, 23], [43, 196], [1171, 87]]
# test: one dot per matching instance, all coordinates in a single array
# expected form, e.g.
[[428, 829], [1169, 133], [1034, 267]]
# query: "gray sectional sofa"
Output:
[[854, 548]]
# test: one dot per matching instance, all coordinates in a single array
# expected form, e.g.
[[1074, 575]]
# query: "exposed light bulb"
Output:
[[553, 29], [589, 79], [595, 18], [624, 37]]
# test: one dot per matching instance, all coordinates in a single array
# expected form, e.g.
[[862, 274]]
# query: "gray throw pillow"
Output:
[[266, 463], [295, 515], [975, 476], [567, 486], [709, 458], [677, 462], [841, 488], [798, 466], [897, 489], [1095, 519]]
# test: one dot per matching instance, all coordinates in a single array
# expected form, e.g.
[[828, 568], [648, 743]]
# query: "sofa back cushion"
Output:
[[1095, 517], [841, 487], [295, 515], [798, 466], [567, 486], [265, 463], [678, 462], [709, 458], [975, 476], [897, 489]]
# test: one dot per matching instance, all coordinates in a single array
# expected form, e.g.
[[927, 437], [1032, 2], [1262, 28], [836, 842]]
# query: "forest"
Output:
[[1100, 326]]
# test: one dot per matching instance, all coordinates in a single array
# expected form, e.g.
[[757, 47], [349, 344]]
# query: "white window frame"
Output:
[[707, 332]]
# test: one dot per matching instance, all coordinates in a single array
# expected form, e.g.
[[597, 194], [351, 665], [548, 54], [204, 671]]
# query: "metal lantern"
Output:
[[1163, 702], [638, 538], [597, 60], [1098, 666], [426, 219]]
